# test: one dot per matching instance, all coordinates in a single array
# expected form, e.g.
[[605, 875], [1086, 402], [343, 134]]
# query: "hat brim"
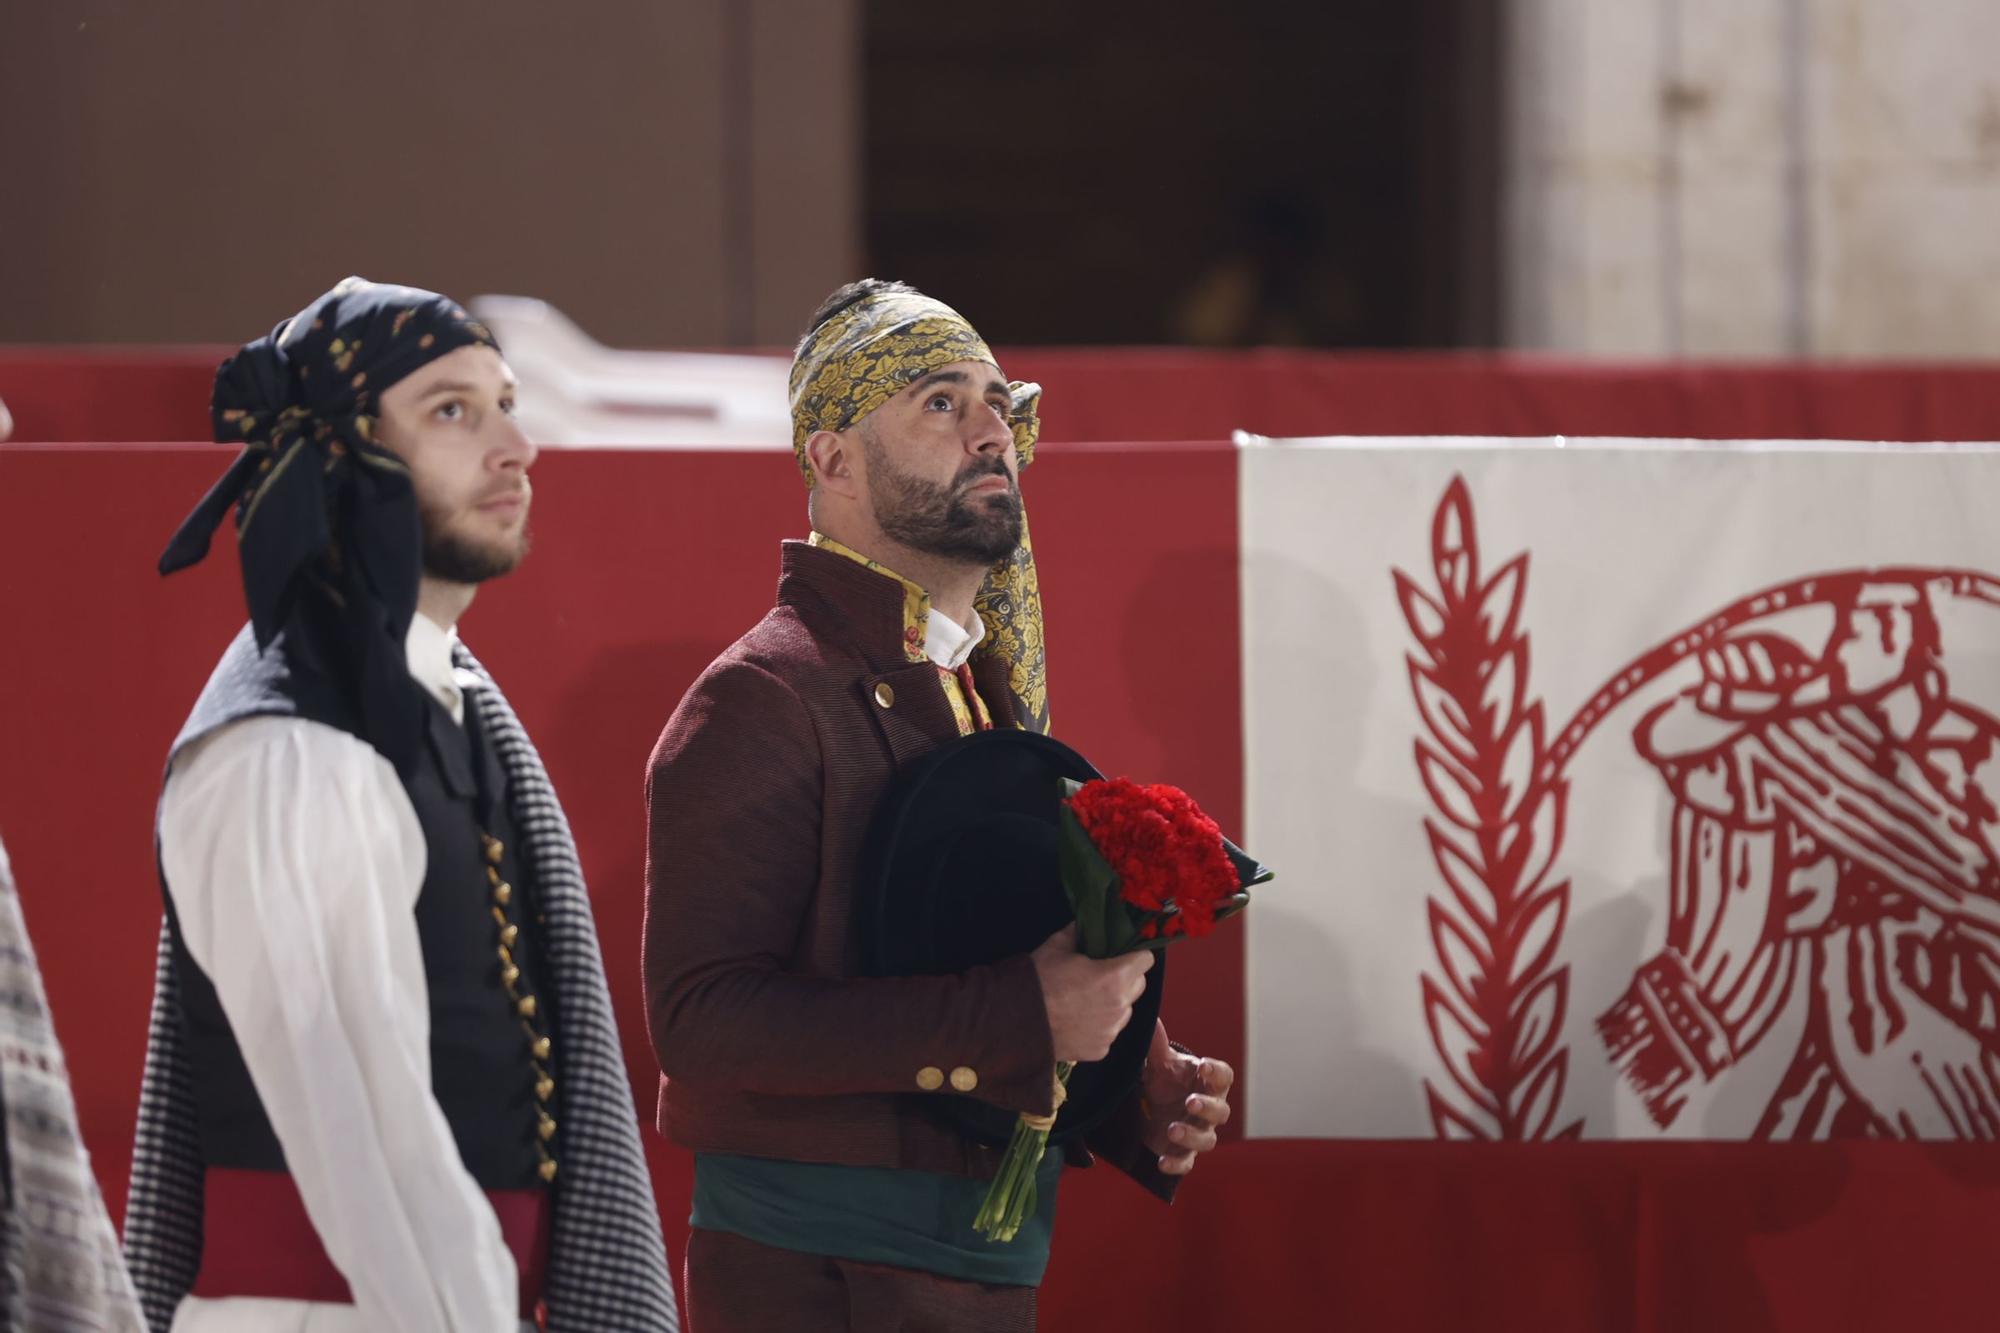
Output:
[[962, 870]]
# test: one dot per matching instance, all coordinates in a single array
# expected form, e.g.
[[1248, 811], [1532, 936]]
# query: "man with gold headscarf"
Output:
[[824, 1197]]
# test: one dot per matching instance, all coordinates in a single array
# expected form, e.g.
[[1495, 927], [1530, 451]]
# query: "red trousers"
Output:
[[738, 1286]]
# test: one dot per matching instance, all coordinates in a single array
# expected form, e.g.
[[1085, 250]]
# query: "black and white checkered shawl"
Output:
[[607, 1266], [59, 1265]]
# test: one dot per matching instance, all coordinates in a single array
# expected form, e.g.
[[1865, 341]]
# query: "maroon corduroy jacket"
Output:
[[759, 797]]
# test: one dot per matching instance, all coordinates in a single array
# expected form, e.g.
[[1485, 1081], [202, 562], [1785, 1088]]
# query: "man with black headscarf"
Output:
[[383, 1089]]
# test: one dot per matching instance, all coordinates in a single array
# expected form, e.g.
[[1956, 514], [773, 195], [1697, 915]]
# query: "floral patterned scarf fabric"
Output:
[[865, 355]]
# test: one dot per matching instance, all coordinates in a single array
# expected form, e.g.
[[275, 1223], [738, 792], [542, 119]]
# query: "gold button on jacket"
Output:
[[963, 1079], [930, 1078], [884, 695]]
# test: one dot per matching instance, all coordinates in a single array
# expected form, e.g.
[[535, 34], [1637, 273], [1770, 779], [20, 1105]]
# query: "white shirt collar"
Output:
[[946, 642], [428, 647]]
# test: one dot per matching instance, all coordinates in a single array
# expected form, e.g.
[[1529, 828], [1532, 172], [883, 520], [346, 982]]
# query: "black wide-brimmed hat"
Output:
[[962, 870]]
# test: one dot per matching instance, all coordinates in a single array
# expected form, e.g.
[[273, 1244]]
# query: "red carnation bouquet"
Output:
[[1143, 867]]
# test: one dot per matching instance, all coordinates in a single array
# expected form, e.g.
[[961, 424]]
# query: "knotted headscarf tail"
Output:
[[867, 354], [328, 531]]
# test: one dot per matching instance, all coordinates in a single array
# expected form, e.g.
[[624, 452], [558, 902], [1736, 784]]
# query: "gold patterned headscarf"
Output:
[[865, 355]]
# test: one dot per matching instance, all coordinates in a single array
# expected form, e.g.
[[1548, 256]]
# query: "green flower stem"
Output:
[[1011, 1196]]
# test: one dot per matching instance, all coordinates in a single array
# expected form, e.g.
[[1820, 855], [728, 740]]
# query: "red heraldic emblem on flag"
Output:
[[1828, 807]]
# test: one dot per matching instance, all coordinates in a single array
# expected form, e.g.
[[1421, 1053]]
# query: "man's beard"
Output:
[[945, 521], [456, 558]]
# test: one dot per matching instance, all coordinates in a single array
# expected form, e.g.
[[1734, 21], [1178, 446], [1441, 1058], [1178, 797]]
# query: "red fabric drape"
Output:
[[139, 394], [595, 639]]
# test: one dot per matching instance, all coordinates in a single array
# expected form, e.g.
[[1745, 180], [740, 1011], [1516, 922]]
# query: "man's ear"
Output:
[[831, 454]]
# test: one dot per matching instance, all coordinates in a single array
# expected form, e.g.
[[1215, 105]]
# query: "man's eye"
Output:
[[507, 406], [451, 411]]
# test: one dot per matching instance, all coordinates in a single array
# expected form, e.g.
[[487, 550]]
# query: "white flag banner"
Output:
[[1623, 788]]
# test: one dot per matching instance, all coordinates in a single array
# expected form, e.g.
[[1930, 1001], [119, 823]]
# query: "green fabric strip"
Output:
[[906, 1219]]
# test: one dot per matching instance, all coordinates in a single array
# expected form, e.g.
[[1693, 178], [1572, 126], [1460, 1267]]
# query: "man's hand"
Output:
[[1089, 1000], [1186, 1100]]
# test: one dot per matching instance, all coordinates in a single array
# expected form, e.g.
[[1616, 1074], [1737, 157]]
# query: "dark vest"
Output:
[[481, 1070]]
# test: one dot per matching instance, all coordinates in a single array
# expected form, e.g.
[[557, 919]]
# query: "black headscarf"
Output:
[[328, 530]]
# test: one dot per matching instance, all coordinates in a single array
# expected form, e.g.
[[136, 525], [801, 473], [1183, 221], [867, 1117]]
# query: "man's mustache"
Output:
[[974, 473]]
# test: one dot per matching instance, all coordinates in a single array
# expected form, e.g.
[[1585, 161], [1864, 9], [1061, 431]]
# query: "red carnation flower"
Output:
[[1169, 857], [1173, 877]]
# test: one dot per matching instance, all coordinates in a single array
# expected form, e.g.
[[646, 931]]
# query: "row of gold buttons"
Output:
[[525, 1007], [930, 1078]]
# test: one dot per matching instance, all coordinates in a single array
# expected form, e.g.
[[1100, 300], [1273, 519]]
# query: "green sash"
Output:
[[906, 1219]]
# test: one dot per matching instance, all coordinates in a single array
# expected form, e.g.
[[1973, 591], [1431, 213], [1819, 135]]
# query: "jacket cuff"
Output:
[[1020, 1071]]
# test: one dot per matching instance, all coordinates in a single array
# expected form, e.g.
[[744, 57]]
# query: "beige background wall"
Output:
[[1753, 177], [668, 172]]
